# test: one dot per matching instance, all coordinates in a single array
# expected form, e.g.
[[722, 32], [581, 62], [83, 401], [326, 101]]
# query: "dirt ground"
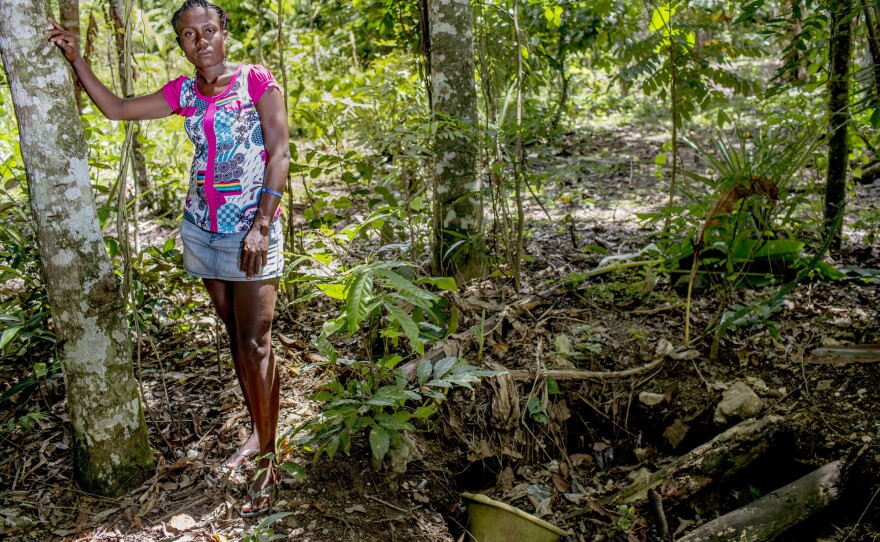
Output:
[[560, 451]]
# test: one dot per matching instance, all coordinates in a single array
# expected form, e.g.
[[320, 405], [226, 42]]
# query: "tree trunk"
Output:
[[777, 512], [458, 202], [70, 20], [126, 78], [838, 108], [870, 11], [110, 447]]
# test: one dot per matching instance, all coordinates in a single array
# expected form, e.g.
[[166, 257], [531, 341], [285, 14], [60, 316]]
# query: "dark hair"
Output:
[[188, 4]]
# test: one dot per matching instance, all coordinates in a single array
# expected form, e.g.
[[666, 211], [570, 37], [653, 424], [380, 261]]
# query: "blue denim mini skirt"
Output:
[[208, 255]]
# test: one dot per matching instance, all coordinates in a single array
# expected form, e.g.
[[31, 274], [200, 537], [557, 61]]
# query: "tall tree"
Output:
[[458, 202], [110, 447], [842, 14]]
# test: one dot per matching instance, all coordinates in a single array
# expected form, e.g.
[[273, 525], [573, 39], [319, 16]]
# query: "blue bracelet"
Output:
[[273, 192]]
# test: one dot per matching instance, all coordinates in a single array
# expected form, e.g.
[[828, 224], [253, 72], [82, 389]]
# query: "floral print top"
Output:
[[229, 162]]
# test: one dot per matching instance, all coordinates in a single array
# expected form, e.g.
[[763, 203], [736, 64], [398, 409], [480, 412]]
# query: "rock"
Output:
[[650, 399], [738, 402], [181, 523]]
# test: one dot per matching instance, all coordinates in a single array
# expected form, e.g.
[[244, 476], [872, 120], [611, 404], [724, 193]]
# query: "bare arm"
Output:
[[273, 119], [150, 106]]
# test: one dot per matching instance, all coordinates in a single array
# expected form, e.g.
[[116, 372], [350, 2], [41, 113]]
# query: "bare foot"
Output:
[[247, 450], [260, 493]]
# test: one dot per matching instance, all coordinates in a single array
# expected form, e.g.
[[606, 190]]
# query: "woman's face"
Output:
[[201, 36]]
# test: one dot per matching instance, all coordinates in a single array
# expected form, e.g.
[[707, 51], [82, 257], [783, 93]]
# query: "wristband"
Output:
[[273, 192]]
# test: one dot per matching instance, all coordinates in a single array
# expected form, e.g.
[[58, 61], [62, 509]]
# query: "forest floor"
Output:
[[561, 453]]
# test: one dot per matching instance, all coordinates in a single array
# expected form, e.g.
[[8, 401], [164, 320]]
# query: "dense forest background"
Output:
[[674, 199]]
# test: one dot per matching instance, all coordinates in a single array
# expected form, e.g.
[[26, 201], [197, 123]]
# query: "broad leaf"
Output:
[[379, 442]]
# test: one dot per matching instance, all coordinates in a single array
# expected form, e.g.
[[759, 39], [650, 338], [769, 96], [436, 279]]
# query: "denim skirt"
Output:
[[208, 255]]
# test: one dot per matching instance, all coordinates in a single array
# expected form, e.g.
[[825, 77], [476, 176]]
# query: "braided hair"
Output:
[[188, 4]]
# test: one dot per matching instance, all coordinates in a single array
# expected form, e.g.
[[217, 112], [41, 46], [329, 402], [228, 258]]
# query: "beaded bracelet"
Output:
[[273, 192]]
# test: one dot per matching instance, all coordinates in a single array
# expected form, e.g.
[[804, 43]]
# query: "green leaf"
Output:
[[295, 470], [443, 283], [423, 371], [388, 396], [443, 366], [661, 159], [336, 291], [360, 293], [8, 334], [379, 442], [659, 18], [552, 386], [408, 325], [426, 411], [406, 286]]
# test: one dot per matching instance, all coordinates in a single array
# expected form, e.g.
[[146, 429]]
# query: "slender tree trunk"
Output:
[[519, 165], [458, 202], [118, 13], [111, 451], [870, 11], [70, 20], [838, 108]]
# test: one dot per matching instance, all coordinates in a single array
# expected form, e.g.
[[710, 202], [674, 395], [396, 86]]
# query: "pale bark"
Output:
[[777, 512], [458, 202], [110, 446]]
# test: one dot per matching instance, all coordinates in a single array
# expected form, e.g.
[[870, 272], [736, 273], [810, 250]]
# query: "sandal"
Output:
[[253, 495]]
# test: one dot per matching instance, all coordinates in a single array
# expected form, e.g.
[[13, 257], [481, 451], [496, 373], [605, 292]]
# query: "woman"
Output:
[[231, 234]]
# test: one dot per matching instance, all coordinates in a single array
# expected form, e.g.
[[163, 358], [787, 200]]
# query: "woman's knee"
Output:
[[255, 348]]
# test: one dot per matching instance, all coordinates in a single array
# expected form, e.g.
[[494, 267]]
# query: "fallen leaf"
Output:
[[562, 485]]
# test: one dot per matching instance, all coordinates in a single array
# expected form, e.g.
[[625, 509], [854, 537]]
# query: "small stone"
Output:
[[738, 402], [650, 399], [181, 523]]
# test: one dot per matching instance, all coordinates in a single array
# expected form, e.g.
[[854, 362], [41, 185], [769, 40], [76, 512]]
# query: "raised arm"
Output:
[[150, 106]]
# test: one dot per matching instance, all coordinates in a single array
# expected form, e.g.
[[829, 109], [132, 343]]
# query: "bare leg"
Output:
[[254, 307], [220, 292]]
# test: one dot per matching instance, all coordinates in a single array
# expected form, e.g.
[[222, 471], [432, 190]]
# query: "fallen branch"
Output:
[[843, 355], [570, 374], [717, 460], [776, 512]]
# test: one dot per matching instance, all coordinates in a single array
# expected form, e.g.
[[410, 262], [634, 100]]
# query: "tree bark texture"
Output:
[[70, 20], [838, 113], [126, 78], [458, 202], [110, 447], [777, 512]]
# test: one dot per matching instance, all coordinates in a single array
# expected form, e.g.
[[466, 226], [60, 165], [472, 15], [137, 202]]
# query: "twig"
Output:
[[183, 508], [662, 524], [566, 374], [389, 505]]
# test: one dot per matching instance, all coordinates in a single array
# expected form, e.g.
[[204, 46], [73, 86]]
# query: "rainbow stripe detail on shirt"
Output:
[[200, 177], [227, 100], [228, 186]]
